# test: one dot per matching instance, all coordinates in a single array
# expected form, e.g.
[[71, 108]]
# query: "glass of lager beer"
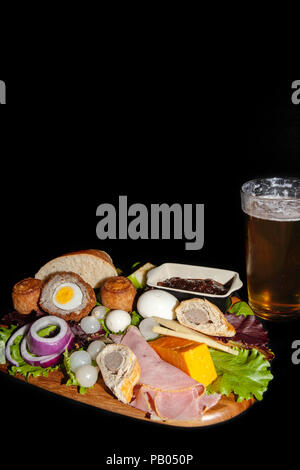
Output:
[[272, 211]]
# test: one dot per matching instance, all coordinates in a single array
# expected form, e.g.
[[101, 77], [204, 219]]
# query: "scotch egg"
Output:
[[67, 295]]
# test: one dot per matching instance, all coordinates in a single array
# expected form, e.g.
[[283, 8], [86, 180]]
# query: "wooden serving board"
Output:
[[100, 397]]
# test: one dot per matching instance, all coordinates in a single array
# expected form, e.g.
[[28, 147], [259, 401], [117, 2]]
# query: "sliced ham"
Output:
[[189, 404], [163, 390]]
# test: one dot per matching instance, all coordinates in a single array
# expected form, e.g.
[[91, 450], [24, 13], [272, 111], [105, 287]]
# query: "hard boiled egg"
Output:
[[67, 296], [157, 303]]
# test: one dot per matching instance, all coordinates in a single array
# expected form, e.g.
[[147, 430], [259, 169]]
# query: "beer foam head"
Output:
[[272, 199]]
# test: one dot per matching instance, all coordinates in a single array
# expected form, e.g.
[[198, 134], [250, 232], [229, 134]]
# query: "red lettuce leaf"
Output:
[[250, 334], [249, 330]]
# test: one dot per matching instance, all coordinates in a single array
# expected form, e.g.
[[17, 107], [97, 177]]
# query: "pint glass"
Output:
[[272, 211]]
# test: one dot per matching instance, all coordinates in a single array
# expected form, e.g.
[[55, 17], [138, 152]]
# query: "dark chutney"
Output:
[[206, 286]]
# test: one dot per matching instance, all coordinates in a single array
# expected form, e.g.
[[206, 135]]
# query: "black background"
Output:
[[70, 144]]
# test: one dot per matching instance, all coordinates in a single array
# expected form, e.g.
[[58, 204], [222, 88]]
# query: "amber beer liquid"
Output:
[[272, 214]]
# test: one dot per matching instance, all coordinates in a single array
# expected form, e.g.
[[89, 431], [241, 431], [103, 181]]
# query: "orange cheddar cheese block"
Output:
[[192, 358]]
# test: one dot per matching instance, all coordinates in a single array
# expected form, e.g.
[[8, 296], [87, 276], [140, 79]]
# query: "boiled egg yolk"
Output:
[[67, 296], [64, 295]]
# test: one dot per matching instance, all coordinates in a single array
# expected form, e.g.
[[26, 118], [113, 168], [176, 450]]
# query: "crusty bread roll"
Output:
[[120, 370], [94, 266], [26, 294], [118, 292], [204, 316]]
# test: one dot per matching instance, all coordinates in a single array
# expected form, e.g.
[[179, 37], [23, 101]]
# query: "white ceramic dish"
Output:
[[168, 270]]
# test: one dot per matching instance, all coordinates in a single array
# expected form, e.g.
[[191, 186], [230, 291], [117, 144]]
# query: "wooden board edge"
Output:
[[99, 397]]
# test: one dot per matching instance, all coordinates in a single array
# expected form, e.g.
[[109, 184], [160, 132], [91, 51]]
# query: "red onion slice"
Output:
[[42, 361], [20, 332], [48, 346]]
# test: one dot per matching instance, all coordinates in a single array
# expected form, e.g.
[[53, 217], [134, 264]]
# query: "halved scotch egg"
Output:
[[67, 295]]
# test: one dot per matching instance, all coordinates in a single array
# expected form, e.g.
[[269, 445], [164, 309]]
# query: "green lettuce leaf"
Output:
[[5, 334], [15, 350], [136, 318], [103, 324], [24, 368], [241, 308], [137, 263], [36, 371], [46, 331], [247, 375], [2, 352]]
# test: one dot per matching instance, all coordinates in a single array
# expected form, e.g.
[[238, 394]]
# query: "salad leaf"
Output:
[[24, 368], [102, 323], [36, 371], [82, 339], [47, 331], [2, 352], [136, 318], [15, 318], [228, 302], [247, 375], [249, 330], [15, 350], [137, 263], [241, 308], [5, 334]]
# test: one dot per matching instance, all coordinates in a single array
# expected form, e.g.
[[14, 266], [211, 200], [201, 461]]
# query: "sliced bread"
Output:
[[204, 316], [94, 266]]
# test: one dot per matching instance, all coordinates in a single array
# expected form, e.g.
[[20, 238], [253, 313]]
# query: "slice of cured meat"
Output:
[[163, 390]]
